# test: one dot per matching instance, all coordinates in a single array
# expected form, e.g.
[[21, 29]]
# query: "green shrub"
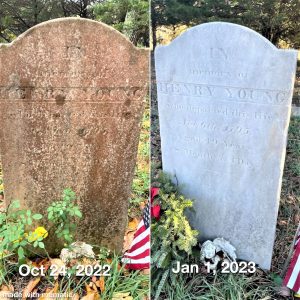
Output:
[[62, 213], [172, 237]]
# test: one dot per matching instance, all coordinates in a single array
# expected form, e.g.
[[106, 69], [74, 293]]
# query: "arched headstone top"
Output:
[[69, 22], [221, 30], [226, 48], [60, 45]]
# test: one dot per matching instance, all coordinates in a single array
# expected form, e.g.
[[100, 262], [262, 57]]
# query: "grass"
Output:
[[220, 287], [141, 181], [119, 281], [291, 179]]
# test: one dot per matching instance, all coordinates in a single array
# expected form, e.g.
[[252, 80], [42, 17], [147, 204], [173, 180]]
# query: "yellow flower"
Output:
[[41, 232], [38, 232]]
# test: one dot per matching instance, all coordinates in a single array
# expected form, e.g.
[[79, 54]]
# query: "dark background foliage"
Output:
[[131, 17], [274, 19]]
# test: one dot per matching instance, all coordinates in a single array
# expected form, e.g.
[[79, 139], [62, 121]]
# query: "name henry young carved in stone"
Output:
[[224, 100], [225, 93], [71, 101]]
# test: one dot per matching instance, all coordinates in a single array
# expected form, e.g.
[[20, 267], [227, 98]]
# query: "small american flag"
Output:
[[292, 278], [138, 256]]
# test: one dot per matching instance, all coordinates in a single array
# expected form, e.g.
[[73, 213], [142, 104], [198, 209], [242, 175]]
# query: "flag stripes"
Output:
[[138, 256], [292, 278]]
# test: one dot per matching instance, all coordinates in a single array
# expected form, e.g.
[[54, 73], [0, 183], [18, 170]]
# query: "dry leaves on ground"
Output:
[[122, 296], [91, 293], [30, 286], [4, 292], [50, 292], [100, 283], [129, 234], [132, 225], [58, 265]]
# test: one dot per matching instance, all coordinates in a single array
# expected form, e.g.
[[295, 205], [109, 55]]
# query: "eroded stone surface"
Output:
[[224, 98], [72, 93]]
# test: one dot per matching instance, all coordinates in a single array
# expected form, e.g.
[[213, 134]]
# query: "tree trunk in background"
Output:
[[153, 26]]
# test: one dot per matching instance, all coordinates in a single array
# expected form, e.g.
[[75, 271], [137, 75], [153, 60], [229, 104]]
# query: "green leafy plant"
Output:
[[62, 213], [104, 254], [172, 237], [14, 234]]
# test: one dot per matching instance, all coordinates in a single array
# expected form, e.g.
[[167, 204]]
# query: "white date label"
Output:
[[55, 271], [234, 267]]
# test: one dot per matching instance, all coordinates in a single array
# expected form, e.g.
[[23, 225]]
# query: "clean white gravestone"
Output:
[[224, 99]]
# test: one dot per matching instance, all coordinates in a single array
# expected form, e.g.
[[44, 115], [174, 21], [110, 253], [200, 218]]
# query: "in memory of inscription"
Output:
[[224, 99]]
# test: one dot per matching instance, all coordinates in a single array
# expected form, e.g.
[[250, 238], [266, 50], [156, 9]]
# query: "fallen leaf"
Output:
[[87, 261], [59, 266], [146, 271], [40, 263], [282, 222], [88, 297], [76, 297], [30, 286], [101, 284], [93, 286], [7, 288], [91, 294], [122, 296], [142, 205], [57, 262], [88, 289], [132, 225], [128, 238]]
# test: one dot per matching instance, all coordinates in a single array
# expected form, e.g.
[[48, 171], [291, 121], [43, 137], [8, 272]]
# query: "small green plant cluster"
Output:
[[172, 238], [17, 236], [13, 231], [62, 212]]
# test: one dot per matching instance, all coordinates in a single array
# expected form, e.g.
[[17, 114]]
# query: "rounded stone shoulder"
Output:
[[72, 21], [221, 30]]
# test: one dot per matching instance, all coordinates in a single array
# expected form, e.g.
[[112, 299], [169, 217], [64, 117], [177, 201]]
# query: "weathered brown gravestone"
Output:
[[72, 93]]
